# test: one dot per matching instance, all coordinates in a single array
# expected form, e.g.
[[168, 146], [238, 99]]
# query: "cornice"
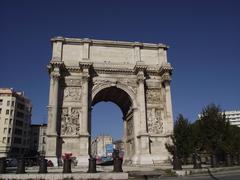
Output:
[[165, 68], [140, 66], [109, 43], [85, 65], [55, 64], [73, 68]]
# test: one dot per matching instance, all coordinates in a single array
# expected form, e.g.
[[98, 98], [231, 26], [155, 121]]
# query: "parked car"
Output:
[[49, 163], [11, 162]]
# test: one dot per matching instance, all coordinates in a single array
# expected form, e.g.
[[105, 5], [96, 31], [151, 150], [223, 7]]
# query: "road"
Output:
[[217, 176]]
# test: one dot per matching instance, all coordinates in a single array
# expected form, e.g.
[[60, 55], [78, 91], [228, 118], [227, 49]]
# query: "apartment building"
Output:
[[98, 145], [15, 120], [38, 138], [42, 139], [233, 117]]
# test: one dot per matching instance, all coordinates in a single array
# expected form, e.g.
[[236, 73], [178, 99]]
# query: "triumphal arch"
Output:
[[135, 76]]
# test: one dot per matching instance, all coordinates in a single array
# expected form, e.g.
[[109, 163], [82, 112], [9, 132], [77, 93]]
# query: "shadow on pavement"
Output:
[[211, 175]]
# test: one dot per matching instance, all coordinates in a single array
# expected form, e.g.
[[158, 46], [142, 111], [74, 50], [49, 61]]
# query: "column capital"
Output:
[[55, 75], [85, 65], [140, 78], [140, 66], [166, 67], [55, 66], [165, 72], [166, 78]]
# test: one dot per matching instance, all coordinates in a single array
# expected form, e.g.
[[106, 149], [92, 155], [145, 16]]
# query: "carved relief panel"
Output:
[[70, 119], [73, 82], [72, 94], [154, 121], [153, 96], [130, 127]]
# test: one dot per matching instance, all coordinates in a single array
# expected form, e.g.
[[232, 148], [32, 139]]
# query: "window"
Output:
[[15, 150], [11, 113], [17, 140], [7, 111], [5, 130], [1, 101], [20, 106], [4, 139], [8, 140], [6, 120], [9, 130], [10, 122], [20, 115], [43, 140], [8, 103], [13, 103], [18, 131], [0, 110], [19, 123]]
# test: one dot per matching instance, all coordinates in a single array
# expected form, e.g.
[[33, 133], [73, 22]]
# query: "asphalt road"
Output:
[[217, 176]]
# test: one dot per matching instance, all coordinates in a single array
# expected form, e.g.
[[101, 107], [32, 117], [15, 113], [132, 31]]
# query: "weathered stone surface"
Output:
[[136, 76]]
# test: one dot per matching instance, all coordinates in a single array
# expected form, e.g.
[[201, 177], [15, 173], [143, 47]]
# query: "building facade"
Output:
[[233, 117], [38, 139], [34, 138], [15, 120], [135, 76], [42, 139], [98, 145]]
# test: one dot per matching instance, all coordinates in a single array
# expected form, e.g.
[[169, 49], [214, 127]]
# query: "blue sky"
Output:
[[203, 36]]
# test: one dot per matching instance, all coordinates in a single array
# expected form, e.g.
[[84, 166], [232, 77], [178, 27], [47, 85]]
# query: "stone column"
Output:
[[169, 117], [51, 151], [85, 104], [84, 127], [144, 154], [142, 102], [125, 137]]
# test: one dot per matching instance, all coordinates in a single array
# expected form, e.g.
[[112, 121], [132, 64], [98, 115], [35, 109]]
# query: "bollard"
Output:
[[3, 165], [214, 161], [67, 166], [238, 159], [228, 161], [117, 164], [42, 165], [196, 161], [92, 165], [177, 165], [21, 166]]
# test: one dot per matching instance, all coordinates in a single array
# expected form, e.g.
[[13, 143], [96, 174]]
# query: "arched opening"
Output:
[[104, 115], [109, 122]]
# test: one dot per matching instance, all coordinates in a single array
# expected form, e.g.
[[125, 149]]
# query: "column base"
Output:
[[142, 159], [82, 160], [145, 159]]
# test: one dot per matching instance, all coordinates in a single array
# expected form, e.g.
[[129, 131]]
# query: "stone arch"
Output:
[[123, 87], [124, 98]]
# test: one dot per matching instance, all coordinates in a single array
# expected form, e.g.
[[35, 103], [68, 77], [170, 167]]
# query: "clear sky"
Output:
[[203, 35]]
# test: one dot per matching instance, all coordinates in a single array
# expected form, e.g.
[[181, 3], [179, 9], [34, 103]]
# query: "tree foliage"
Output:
[[181, 138], [211, 134]]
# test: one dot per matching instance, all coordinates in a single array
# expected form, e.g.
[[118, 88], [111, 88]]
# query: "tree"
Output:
[[213, 130], [231, 144], [181, 139]]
